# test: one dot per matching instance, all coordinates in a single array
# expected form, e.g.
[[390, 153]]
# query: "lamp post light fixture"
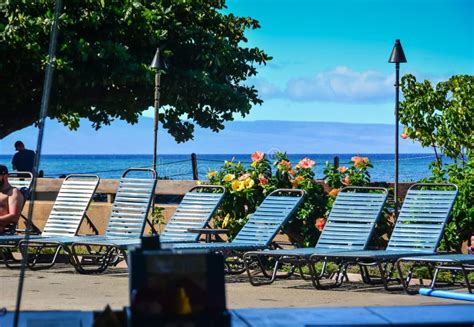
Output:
[[397, 56], [158, 64]]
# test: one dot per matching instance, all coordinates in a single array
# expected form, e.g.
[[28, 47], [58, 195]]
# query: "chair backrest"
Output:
[[269, 217], [194, 211], [22, 181], [71, 205], [132, 203], [422, 218], [352, 219]]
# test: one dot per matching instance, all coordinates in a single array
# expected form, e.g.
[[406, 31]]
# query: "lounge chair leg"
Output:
[[275, 270], [35, 258], [364, 274], [314, 275], [341, 274], [103, 262], [435, 277], [78, 265], [107, 259], [430, 270], [247, 261], [269, 278], [389, 268], [35, 264], [9, 260], [262, 267], [299, 264], [366, 277], [385, 278], [345, 277], [466, 278], [74, 258], [324, 272], [337, 276], [406, 281], [382, 275]]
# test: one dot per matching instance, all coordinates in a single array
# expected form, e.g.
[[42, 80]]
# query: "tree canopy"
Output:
[[441, 116], [102, 62]]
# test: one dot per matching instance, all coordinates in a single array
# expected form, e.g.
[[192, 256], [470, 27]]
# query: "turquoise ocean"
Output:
[[412, 166]]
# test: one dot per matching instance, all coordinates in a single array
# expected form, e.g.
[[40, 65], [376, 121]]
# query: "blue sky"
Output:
[[330, 65], [330, 57]]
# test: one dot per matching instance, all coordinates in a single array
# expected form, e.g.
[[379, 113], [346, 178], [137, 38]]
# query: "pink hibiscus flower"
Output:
[[258, 155], [306, 163], [342, 169], [244, 177]]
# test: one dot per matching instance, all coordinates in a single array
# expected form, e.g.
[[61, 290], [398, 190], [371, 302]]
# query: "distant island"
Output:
[[238, 137]]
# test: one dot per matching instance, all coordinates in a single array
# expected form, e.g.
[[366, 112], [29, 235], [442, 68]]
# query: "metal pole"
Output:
[[397, 96], [336, 162], [157, 116], [194, 166], [48, 77]]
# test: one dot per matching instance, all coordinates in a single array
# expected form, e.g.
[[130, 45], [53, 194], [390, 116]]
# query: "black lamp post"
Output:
[[157, 64], [397, 57]]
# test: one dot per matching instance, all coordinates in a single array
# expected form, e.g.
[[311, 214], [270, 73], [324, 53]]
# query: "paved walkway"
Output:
[[63, 289]]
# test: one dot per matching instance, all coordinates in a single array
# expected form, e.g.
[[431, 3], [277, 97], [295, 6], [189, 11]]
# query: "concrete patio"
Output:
[[61, 288]]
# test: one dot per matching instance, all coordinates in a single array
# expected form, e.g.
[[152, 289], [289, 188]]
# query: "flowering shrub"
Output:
[[356, 175], [301, 229], [248, 186]]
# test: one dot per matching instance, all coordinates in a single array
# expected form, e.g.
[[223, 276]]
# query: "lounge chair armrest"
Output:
[[23, 231], [210, 231], [211, 234]]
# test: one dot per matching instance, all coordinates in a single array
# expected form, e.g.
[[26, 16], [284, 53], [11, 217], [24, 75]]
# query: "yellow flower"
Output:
[[238, 185], [229, 177], [212, 174], [249, 183], [226, 221], [254, 164]]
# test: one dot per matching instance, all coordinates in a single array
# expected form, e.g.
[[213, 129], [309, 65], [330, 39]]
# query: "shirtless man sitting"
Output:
[[11, 201]]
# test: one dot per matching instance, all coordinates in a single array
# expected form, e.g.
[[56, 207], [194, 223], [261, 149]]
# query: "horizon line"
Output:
[[218, 154], [244, 120]]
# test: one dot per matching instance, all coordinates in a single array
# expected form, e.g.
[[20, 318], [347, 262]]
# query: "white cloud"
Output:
[[341, 84], [266, 89]]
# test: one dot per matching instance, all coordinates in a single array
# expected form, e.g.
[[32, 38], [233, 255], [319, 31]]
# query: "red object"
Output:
[[320, 223]]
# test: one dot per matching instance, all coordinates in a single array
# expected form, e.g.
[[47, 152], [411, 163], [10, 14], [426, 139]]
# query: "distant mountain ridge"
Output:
[[238, 137]]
